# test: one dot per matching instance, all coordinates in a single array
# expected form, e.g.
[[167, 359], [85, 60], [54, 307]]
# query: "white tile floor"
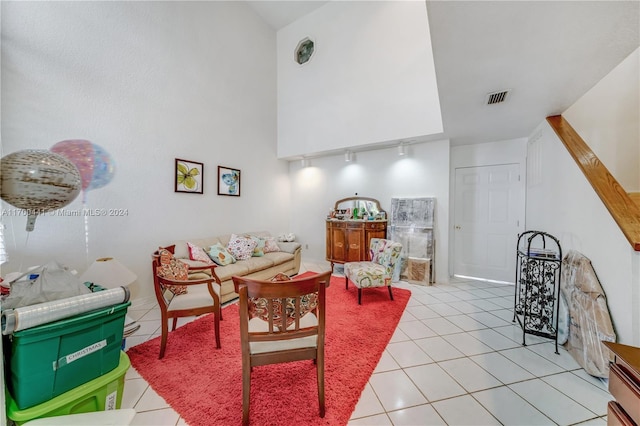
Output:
[[455, 358]]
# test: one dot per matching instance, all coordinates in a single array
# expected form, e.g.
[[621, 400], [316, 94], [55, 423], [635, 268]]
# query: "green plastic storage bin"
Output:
[[103, 393], [45, 361]]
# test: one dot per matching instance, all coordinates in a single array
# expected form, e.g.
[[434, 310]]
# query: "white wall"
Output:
[[149, 82], [607, 118], [512, 151], [380, 174], [370, 80], [563, 203]]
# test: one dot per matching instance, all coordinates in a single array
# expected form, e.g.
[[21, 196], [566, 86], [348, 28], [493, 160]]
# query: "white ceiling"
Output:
[[279, 14], [547, 53]]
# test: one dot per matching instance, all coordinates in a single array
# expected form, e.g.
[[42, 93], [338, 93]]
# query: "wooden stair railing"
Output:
[[622, 208]]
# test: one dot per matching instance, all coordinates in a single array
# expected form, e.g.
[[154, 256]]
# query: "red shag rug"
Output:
[[204, 384]]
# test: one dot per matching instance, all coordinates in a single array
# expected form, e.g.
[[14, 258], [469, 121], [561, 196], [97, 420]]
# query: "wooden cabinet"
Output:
[[336, 240], [354, 237], [624, 385], [374, 230], [348, 240], [353, 222]]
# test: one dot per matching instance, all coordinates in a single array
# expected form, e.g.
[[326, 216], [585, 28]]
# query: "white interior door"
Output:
[[489, 215]]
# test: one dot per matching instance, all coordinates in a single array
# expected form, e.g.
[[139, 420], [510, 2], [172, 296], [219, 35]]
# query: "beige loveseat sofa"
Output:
[[286, 261]]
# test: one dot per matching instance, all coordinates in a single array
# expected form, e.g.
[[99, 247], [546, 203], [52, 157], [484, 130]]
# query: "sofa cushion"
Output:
[[238, 268], [198, 253], [278, 257], [220, 255], [193, 263], [270, 245], [256, 264], [258, 250], [289, 247], [241, 247]]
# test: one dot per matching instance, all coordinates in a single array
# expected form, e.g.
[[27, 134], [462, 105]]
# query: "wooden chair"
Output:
[[384, 255], [271, 338], [202, 297]]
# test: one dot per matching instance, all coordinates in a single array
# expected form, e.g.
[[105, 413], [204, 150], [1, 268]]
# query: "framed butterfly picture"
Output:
[[228, 181], [189, 176]]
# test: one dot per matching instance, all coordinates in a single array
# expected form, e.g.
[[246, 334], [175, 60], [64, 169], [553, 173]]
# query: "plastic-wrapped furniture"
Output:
[[412, 222], [590, 320], [379, 271]]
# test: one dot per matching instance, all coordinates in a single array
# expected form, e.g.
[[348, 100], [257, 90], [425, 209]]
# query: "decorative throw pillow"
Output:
[[279, 277], [172, 269], [220, 255], [287, 237], [198, 253], [258, 250], [270, 245], [259, 307], [241, 247]]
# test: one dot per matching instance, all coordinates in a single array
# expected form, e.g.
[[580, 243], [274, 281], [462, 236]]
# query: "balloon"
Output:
[[80, 153], [95, 165], [38, 181], [103, 168]]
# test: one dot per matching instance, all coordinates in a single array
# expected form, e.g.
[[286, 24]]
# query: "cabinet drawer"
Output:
[[625, 391], [335, 224], [616, 416], [375, 225]]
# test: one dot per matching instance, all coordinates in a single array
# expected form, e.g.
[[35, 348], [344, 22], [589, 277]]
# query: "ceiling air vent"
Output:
[[497, 97]]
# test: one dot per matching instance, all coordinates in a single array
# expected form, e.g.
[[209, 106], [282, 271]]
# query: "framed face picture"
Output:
[[189, 176], [228, 181]]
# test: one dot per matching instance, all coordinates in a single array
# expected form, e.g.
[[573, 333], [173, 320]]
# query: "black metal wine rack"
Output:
[[537, 289]]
